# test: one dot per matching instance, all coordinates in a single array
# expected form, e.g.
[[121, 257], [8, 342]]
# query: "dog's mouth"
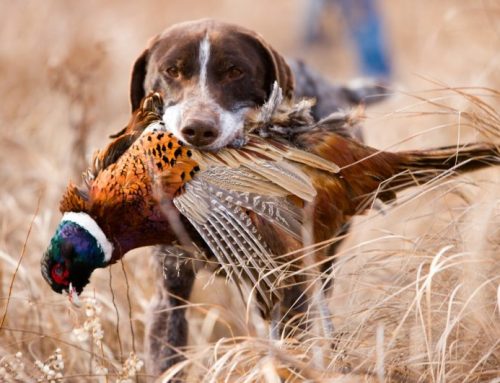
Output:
[[235, 139]]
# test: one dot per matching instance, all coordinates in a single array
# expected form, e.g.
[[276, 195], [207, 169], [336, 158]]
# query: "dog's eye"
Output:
[[234, 73], [173, 72]]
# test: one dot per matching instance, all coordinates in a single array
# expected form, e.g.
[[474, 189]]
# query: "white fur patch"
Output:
[[231, 126], [204, 56], [87, 222], [172, 119]]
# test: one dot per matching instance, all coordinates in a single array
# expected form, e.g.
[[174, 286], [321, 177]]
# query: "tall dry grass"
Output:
[[416, 293]]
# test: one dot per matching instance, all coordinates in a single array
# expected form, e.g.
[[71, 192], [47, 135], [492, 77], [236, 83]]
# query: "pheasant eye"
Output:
[[60, 274]]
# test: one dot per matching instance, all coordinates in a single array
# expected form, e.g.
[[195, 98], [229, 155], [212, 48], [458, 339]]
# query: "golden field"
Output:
[[417, 284]]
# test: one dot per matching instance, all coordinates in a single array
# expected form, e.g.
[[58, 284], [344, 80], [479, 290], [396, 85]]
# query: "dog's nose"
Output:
[[199, 133]]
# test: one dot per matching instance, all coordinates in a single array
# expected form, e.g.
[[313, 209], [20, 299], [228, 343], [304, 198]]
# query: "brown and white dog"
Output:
[[211, 74]]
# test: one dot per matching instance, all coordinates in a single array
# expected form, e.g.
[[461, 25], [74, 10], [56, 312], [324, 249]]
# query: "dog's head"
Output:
[[210, 75]]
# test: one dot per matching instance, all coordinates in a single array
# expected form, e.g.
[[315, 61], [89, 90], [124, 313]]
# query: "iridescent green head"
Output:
[[78, 247]]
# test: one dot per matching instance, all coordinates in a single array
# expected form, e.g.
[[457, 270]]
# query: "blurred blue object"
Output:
[[365, 28]]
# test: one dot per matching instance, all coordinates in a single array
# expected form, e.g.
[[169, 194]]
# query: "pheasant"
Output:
[[246, 207], [228, 198]]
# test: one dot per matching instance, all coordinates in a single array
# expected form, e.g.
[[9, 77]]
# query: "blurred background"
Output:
[[64, 76]]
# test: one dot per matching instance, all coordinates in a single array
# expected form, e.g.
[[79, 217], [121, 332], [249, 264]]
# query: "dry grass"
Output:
[[416, 294]]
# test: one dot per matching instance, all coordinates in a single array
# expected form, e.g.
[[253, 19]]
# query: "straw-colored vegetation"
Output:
[[416, 294]]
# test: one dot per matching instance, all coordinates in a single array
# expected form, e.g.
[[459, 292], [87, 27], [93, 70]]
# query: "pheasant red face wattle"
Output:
[[60, 274]]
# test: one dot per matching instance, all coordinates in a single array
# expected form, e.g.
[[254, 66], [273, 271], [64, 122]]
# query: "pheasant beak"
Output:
[[73, 296]]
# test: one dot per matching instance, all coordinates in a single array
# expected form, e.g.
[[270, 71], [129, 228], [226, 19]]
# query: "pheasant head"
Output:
[[78, 247]]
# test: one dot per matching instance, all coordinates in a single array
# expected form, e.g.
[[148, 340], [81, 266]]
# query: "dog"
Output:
[[211, 74]]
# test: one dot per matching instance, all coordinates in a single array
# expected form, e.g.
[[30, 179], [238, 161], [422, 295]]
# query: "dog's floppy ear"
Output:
[[137, 92], [281, 71]]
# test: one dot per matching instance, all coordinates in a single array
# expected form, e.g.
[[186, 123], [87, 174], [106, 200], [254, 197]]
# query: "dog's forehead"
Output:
[[176, 40], [193, 32], [203, 26]]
